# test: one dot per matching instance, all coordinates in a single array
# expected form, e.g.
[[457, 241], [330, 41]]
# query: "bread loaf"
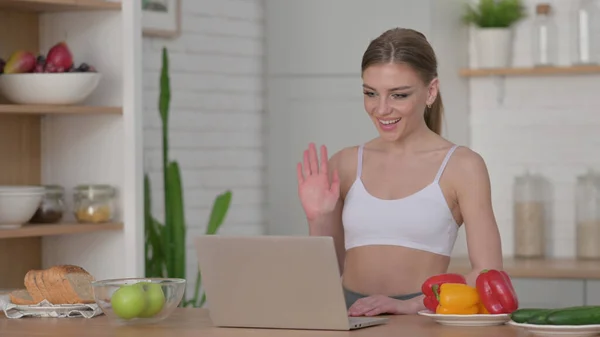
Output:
[[62, 284]]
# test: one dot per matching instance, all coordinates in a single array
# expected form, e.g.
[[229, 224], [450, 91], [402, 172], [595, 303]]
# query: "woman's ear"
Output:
[[432, 91]]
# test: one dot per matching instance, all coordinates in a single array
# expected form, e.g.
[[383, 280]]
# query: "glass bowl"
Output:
[[138, 300]]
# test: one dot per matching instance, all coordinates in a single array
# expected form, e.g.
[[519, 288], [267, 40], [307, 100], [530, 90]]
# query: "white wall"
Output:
[[545, 123], [216, 114]]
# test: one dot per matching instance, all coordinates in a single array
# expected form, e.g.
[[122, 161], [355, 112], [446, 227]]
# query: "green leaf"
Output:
[[176, 207], [163, 106], [158, 257], [167, 246], [154, 257], [203, 300], [218, 213], [165, 88], [148, 248]]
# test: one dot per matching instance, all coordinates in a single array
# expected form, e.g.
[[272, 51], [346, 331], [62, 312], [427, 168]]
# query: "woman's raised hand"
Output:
[[317, 193]]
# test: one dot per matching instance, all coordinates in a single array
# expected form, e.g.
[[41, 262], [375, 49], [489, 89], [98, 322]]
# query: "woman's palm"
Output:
[[317, 194]]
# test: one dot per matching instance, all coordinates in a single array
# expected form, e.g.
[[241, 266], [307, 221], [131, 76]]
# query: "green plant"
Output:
[[165, 244], [494, 13]]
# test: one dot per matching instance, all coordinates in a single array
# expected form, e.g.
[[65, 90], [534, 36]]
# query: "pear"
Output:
[[21, 61], [59, 56]]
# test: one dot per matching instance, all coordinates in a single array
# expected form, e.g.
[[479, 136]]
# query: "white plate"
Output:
[[467, 320], [559, 330]]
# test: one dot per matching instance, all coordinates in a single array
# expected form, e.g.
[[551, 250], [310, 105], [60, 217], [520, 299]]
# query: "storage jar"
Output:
[[52, 207], [94, 203], [587, 216], [586, 32], [529, 216]]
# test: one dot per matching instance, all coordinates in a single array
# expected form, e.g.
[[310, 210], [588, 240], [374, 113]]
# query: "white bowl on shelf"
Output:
[[18, 204], [48, 88]]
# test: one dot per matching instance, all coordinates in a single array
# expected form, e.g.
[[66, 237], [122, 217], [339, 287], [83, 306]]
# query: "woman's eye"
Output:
[[399, 96], [367, 93]]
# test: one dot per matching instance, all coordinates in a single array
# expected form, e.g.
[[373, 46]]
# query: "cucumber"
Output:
[[540, 318], [525, 314], [575, 316]]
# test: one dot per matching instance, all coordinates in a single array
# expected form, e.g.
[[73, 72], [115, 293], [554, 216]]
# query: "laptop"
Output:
[[286, 282]]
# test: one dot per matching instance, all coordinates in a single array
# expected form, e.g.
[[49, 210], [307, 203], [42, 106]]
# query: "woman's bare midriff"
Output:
[[390, 270]]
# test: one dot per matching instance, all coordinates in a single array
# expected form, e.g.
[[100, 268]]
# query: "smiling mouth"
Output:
[[389, 122]]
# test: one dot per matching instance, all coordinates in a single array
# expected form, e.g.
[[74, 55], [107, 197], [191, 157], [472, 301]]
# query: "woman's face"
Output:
[[395, 98]]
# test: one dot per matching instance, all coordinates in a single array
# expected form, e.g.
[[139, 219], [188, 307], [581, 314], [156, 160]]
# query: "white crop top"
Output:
[[421, 220]]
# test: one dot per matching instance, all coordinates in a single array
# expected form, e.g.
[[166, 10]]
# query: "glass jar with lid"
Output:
[[94, 203], [52, 207], [586, 32], [587, 215], [545, 36], [529, 216]]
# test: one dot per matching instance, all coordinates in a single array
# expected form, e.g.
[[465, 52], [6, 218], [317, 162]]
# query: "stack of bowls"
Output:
[[18, 204]]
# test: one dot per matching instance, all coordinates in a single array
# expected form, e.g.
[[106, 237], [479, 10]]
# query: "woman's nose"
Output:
[[383, 108]]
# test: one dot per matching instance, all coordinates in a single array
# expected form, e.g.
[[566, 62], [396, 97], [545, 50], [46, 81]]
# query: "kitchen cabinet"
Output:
[[96, 142]]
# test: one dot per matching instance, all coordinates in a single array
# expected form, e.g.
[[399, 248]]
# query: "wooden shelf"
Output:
[[543, 268], [35, 230], [59, 5], [58, 109], [536, 71]]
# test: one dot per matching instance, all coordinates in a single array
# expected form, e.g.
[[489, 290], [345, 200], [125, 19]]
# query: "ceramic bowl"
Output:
[[48, 88]]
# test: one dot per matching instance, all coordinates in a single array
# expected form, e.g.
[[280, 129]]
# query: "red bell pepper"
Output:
[[431, 286], [496, 292]]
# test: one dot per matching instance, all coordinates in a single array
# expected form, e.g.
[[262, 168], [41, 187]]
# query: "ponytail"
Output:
[[433, 115]]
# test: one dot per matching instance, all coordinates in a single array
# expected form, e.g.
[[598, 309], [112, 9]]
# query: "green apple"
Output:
[[129, 301], [155, 299]]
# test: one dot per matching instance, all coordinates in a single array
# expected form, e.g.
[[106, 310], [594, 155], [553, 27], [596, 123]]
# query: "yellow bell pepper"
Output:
[[458, 299], [482, 309]]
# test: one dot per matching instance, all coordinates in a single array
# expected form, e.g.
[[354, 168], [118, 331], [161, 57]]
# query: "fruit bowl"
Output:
[[18, 204], [48, 88], [132, 301]]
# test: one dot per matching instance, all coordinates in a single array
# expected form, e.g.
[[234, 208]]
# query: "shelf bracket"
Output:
[[500, 89]]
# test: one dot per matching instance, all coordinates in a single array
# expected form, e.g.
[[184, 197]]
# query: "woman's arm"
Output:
[[475, 201], [331, 224]]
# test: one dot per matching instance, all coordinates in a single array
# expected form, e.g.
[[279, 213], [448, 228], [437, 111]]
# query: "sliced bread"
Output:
[[21, 297], [31, 285], [77, 284]]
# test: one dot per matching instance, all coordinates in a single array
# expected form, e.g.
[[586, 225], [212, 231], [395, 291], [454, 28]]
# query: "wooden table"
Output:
[[196, 323]]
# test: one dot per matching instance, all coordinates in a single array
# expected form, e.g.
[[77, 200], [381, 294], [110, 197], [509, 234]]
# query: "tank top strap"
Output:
[[444, 163], [359, 162]]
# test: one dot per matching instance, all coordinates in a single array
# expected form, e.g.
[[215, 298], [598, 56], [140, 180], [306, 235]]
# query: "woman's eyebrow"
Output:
[[404, 87]]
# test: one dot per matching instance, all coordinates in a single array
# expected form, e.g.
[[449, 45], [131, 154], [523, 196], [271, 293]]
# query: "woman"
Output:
[[394, 205]]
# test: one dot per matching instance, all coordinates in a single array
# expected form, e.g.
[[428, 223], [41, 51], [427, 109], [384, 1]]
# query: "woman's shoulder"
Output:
[[349, 154], [467, 160], [343, 158], [467, 167]]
